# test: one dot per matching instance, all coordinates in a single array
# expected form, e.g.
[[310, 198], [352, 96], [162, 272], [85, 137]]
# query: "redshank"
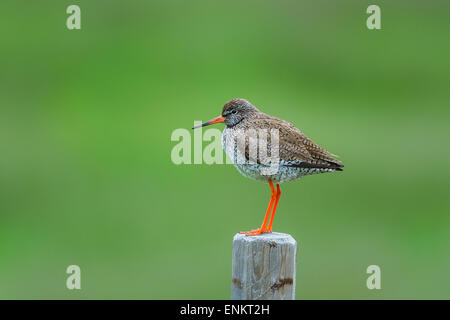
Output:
[[295, 154]]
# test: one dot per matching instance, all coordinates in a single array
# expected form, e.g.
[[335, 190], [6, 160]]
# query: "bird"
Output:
[[292, 155]]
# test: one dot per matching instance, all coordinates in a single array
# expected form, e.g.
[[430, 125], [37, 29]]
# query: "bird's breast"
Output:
[[228, 137]]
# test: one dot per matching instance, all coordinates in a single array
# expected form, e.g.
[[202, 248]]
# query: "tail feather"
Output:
[[319, 165]]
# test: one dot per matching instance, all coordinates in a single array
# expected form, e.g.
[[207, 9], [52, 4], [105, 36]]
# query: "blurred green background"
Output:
[[86, 117]]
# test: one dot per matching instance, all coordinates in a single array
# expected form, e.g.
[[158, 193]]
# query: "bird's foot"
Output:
[[255, 232]]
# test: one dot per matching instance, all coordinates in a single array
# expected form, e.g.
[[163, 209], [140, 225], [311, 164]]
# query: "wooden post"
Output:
[[263, 267]]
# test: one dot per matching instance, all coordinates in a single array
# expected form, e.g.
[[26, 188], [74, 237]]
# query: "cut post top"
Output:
[[276, 237]]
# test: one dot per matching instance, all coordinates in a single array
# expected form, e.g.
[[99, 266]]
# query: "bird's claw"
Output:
[[255, 232]]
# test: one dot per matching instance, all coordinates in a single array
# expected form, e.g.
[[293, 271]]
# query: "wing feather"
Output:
[[295, 148]]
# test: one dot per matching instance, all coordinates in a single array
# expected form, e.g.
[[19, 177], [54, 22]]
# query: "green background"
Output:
[[86, 117]]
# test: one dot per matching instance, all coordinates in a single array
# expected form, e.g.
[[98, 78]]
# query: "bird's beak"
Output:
[[219, 119]]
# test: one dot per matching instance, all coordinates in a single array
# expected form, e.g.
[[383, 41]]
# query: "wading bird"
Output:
[[295, 154]]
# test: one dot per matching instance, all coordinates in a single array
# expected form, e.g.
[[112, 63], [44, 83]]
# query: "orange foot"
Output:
[[255, 232]]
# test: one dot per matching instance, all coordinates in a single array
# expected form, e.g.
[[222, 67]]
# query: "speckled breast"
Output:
[[278, 171]]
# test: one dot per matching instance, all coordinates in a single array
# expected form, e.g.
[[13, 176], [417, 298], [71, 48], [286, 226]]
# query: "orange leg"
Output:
[[274, 208], [264, 228]]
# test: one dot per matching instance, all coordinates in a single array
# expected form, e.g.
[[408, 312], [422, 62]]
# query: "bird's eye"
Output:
[[234, 112]]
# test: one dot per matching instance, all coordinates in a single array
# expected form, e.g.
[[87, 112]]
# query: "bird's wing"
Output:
[[295, 148]]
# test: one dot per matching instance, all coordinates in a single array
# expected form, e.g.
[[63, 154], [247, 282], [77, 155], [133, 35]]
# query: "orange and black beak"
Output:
[[219, 119]]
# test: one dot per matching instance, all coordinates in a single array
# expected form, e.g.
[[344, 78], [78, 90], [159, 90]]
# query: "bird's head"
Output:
[[233, 112]]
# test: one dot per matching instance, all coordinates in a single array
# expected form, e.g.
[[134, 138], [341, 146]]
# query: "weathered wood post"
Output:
[[263, 267]]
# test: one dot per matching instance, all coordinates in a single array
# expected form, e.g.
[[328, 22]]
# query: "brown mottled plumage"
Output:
[[294, 145]]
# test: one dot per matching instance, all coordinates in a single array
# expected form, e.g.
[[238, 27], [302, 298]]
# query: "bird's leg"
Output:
[[264, 228], [269, 228]]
